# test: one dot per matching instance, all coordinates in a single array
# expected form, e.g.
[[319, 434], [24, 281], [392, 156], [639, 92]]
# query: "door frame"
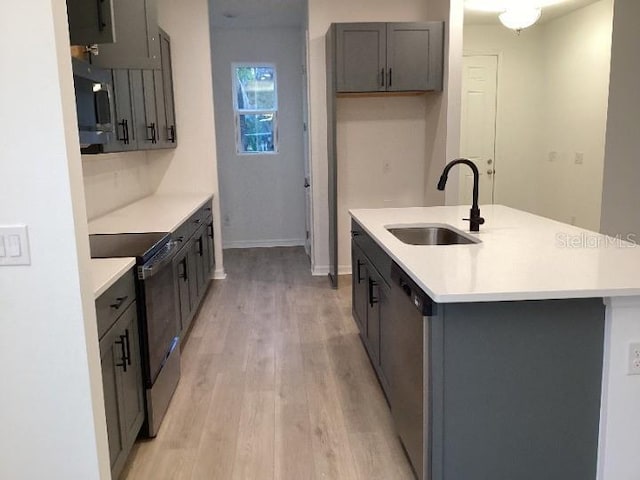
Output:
[[306, 119], [499, 54]]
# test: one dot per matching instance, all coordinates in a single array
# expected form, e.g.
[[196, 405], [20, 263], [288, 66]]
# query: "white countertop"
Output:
[[156, 213], [106, 271], [521, 257]]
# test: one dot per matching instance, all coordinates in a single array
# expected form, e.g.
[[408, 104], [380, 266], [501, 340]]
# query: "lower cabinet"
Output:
[[121, 374], [370, 304], [210, 247], [193, 265]]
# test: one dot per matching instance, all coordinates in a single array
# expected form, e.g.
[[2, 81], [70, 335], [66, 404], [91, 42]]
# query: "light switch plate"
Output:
[[14, 243], [634, 359]]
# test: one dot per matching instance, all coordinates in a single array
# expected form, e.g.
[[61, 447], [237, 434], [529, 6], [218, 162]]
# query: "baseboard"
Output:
[[320, 271], [219, 274], [344, 269], [324, 270], [288, 242]]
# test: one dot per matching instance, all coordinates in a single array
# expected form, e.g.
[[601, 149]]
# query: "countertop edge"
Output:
[[107, 271], [124, 219], [511, 296]]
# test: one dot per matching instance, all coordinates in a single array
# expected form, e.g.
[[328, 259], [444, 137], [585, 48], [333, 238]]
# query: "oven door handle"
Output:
[[158, 261]]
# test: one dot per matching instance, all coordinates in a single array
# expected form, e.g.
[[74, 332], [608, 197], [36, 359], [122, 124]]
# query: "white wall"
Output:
[[52, 414], [381, 159], [552, 97], [192, 166], [114, 180], [433, 151], [577, 57], [621, 195], [262, 196], [519, 108]]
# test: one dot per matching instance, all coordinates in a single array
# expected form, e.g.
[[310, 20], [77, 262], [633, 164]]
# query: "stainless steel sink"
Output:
[[430, 235]]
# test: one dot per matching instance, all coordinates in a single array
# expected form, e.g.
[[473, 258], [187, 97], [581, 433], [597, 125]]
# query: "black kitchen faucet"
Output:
[[475, 220]]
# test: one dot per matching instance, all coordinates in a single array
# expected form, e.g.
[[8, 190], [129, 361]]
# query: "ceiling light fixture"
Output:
[[520, 17]]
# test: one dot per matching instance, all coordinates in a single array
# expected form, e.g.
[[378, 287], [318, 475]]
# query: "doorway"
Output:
[[478, 129], [260, 99]]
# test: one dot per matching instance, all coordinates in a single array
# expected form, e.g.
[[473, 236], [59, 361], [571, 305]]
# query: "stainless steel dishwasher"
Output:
[[409, 384]]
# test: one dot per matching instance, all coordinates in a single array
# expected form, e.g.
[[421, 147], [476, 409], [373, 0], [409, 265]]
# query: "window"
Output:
[[256, 108]]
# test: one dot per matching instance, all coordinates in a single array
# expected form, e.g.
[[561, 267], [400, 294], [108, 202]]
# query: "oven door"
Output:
[[160, 316]]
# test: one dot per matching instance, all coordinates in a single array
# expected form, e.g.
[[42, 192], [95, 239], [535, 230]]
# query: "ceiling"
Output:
[[548, 13], [257, 13]]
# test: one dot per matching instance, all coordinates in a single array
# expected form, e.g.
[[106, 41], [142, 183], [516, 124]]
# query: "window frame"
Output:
[[238, 112]]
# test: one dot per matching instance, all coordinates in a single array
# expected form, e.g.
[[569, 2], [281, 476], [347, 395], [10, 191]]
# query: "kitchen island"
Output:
[[526, 343]]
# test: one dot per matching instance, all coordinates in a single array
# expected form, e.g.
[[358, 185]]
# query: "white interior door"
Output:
[[478, 132]]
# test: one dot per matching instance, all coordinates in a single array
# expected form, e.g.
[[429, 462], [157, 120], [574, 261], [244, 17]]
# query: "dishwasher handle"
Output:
[[420, 300]]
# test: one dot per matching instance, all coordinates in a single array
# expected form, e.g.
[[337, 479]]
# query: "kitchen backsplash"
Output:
[[115, 180]]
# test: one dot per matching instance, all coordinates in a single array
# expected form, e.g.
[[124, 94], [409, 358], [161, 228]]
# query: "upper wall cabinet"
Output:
[[143, 107], [387, 57], [90, 21], [137, 43], [169, 135]]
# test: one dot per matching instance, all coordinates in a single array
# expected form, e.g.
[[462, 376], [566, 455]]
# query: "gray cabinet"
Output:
[[361, 56], [151, 125], [359, 290], [126, 137], [210, 246], [143, 107], [90, 21], [121, 369], [169, 135], [181, 266], [370, 300], [137, 44], [194, 263], [388, 57]]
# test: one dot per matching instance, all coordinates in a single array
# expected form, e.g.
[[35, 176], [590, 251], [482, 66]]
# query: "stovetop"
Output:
[[143, 246]]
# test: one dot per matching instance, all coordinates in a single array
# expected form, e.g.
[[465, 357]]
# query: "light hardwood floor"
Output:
[[275, 385]]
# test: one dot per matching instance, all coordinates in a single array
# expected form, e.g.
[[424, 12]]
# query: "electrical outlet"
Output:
[[634, 359], [553, 156], [579, 158]]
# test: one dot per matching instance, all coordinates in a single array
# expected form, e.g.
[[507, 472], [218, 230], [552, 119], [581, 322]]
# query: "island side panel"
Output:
[[620, 420], [521, 389]]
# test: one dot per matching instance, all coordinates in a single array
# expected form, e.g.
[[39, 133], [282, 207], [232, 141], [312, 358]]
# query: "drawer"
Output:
[[112, 303], [376, 255], [185, 231], [206, 210]]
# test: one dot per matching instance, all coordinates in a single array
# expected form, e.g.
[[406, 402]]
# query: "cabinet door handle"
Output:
[[126, 337], [183, 274], [101, 24], [210, 227], [125, 131], [382, 77], [358, 270], [123, 353], [390, 77], [372, 300], [355, 233], [172, 134], [119, 302], [200, 249], [152, 128]]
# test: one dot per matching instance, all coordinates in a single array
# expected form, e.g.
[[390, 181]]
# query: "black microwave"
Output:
[[94, 94]]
